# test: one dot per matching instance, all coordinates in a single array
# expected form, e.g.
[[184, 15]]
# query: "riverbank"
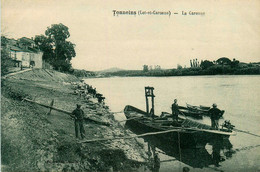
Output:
[[32, 140], [243, 69]]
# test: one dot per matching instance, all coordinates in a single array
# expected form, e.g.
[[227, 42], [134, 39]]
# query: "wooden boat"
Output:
[[186, 112], [196, 158], [186, 132], [202, 110]]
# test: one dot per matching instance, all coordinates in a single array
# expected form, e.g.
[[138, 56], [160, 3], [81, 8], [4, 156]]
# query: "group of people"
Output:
[[214, 112], [87, 91]]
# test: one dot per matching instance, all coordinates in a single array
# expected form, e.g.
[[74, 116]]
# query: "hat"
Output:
[[214, 105], [78, 105]]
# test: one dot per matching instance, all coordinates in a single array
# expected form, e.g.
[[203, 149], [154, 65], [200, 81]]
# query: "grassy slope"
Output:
[[32, 140]]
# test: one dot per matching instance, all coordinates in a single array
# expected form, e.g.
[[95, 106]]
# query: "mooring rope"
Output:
[[247, 132]]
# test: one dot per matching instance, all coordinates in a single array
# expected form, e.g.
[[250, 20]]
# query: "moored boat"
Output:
[[186, 112], [202, 110], [186, 132], [196, 158]]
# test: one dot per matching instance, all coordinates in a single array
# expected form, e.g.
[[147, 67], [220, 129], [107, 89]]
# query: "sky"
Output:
[[228, 29]]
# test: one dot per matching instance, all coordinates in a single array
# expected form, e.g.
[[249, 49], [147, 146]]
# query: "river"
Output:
[[239, 96]]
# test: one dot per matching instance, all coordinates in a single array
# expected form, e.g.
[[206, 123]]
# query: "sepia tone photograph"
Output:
[[146, 86]]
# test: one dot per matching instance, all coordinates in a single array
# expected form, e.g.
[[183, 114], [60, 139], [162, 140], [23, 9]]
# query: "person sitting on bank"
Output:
[[175, 110], [215, 114], [78, 115]]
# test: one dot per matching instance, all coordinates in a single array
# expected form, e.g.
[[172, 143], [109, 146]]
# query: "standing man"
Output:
[[175, 110], [78, 115], [215, 114]]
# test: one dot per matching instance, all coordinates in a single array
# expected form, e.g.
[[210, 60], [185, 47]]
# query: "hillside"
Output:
[[114, 69], [45, 75], [32, 140]]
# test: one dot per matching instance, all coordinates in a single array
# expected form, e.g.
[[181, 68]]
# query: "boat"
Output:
[[187, 112], [202, 110], [196, 158], [185, 132]]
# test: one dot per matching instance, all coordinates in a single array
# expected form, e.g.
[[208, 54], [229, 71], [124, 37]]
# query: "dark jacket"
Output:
[[175, 108], [78, 114], [215, 113]]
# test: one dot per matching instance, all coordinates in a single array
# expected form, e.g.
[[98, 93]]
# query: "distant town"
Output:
[[221, 66]]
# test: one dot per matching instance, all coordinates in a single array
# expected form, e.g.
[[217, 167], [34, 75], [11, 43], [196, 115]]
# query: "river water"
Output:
[[239, 96]]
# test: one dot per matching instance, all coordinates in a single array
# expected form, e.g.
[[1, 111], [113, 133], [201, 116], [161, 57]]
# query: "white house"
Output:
[[25, 54]]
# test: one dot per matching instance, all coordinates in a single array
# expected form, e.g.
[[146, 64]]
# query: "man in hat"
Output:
[[215, 114], [78, 115], [175, 110]]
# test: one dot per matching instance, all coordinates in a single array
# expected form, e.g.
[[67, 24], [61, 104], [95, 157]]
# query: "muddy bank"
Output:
[[32, 140]]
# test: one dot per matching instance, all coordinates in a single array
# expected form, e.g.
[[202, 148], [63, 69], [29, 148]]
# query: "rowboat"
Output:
[[186, 132], [202, 110], [187, 112]]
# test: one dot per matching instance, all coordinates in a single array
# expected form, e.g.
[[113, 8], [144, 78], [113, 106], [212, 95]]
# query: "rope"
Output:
[[179, 141], [247, 132], [215, 169]]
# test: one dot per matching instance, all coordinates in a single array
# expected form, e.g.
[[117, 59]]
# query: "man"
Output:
[[215, 114], [175, 110], [78, 115]]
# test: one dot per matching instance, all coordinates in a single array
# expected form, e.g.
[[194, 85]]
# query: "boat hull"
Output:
[[184, 138]]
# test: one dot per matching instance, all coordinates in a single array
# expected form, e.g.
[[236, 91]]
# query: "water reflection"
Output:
[[221, 150], [215, 152]]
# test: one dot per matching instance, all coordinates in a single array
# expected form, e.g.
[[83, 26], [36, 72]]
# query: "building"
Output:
[[25, 53]]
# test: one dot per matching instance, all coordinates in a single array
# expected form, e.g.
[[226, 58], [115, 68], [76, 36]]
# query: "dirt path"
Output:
[[15, 73]]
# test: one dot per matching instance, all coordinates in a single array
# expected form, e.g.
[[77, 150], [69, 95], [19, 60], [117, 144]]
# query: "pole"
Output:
[[69, 113], [152, 101], [146, 100], [130, 137]]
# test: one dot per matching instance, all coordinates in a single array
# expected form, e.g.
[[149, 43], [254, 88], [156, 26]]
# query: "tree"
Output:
[[145, 68], [234, 63], [223, 61], [57, 50], [6, 61], [179, 66], [206, 64], [45, 45]]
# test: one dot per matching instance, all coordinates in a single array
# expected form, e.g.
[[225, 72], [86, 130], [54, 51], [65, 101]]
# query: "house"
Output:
[[25, 53]]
